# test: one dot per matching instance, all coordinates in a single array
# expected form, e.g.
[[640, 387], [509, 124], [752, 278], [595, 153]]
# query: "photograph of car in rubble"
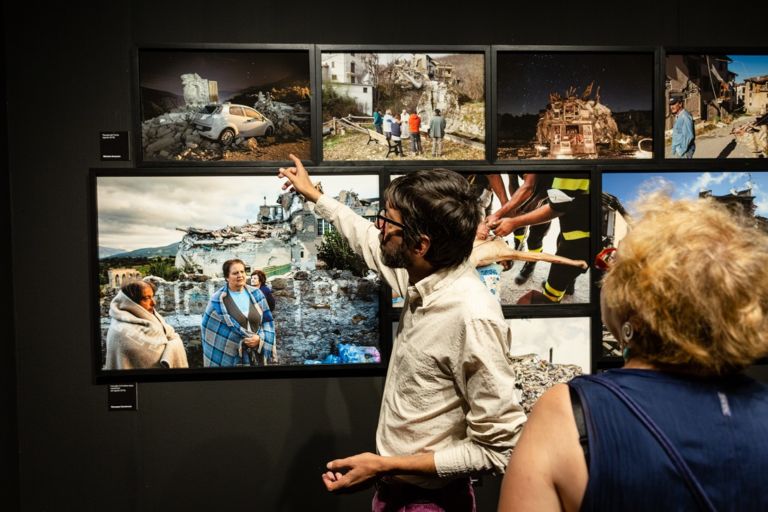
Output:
[[574, 105], [533, 244], [224, 105], [717, 106], [403, 106], [744, 193], [231, 271]]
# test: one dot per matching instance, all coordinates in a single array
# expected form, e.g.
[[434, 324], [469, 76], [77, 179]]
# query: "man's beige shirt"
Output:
[[450, 388]]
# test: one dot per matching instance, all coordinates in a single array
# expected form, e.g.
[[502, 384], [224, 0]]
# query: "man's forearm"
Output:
[[419, 464]]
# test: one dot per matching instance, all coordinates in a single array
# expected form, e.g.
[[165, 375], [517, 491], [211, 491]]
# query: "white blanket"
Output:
[[140, 339]]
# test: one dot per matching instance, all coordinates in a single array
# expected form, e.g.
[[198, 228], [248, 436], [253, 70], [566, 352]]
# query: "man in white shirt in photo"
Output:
[[449, 408]]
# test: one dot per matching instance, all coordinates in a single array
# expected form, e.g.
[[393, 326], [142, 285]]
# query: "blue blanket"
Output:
[[223, 336]]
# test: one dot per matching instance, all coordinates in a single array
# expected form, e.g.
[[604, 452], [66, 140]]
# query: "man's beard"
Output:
[[399, 258]]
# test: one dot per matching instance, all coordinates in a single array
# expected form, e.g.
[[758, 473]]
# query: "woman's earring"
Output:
[[627, 331]]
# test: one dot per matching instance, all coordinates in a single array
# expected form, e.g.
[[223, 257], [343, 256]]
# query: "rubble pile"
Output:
[[442, 94], [755, 136], [534, 376], [172, 135], [290, 122], [258, 244], [573, 124]]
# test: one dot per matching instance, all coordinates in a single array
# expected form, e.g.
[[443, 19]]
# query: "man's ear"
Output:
[[422, 246]]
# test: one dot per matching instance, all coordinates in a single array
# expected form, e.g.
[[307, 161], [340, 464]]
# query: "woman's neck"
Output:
[[639, 364]]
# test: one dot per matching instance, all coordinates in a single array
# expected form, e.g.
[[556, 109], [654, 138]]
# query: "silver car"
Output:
[[227, 121]]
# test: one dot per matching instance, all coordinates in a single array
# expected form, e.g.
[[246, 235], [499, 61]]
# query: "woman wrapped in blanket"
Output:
[[237, 326], [138, 336]]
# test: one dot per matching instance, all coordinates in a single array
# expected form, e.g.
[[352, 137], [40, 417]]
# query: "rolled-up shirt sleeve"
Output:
[[363, 237], [495, 418]]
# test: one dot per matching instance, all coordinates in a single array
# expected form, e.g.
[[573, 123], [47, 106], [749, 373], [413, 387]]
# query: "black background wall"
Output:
[[205, 445]]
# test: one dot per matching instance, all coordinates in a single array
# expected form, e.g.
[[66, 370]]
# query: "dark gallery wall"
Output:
[[202, 445]]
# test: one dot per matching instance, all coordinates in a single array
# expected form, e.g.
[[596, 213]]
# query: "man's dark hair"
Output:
[[437, 111], [135, 289], [439, 204], [227, 264]]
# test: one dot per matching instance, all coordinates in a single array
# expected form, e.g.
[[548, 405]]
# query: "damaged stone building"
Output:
[[740, 202], [616, 219], [117, 277], [756, 95], [199, 91], [704, 82], [284, 238]]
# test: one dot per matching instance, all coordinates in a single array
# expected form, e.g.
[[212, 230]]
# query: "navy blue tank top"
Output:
[[719, 426]]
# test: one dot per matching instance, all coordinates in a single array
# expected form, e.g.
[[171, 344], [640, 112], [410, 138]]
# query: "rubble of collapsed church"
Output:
[[438, 87], [574, 125], [284, 237]]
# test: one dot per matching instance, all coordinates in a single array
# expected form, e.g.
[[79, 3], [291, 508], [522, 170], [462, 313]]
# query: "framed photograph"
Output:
[[561, 105], [744, 192], [716, 105], [223, 105], [392, 105], [244, 276], [544, 263]]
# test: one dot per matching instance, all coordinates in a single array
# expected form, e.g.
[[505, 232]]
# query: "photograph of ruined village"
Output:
[[574, 105], [177, 231], [408, 89], [500, 260], [727, 97], [744, 193], [223, 106]]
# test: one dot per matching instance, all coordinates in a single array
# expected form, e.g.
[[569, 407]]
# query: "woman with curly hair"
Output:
[[680, 426]]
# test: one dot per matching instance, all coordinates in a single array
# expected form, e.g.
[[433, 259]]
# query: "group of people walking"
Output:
[[409, 126]]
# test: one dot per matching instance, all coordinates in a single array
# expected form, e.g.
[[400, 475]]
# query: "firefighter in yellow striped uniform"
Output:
[[568, 200]]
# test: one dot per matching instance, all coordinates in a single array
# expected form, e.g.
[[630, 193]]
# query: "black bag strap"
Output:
[[581, 423], [693, 484]]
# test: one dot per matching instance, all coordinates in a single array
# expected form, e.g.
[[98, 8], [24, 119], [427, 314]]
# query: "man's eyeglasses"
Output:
[[381, 220]]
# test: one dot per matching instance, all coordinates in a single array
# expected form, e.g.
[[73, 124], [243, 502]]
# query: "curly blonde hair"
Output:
[[692, 279]]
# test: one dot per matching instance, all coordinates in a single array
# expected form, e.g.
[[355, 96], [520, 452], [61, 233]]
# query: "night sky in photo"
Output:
[[525, 80], [233, 70]]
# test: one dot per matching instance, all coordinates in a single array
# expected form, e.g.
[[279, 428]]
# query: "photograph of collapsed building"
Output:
[[744, 193], [574, 105], [223, 105], [547, 351], [724, 106], [524, 261], [177, 231], [404, 106]]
